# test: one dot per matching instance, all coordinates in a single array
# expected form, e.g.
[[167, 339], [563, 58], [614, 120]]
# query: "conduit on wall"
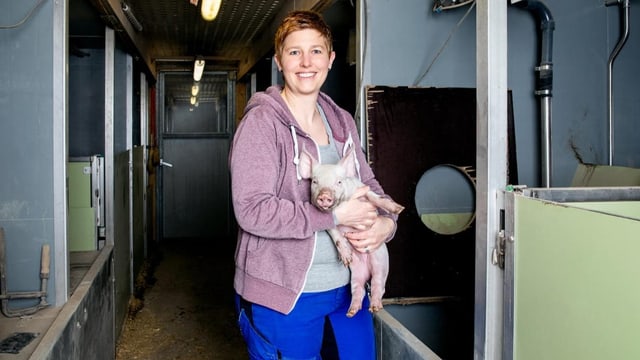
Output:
[[624, 9], [544, 80]]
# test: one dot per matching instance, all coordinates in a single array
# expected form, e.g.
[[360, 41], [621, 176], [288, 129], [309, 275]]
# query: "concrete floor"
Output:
[[188, 306], [37, 323]]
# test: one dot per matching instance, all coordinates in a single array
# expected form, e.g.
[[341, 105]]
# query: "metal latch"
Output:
[[497, 255]]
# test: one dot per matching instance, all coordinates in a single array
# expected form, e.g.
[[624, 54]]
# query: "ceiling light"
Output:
[[198, 68], [195, 89], [210, 9], [193, 100]]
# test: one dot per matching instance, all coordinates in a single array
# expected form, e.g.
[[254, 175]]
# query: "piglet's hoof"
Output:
[[352, 311]]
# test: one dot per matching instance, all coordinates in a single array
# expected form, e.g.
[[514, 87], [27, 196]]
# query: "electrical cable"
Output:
[[21, 22], [444, 45], [358, 115]]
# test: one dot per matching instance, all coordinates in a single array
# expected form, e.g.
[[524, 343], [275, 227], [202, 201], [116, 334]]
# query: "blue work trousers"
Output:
[[271, 335]]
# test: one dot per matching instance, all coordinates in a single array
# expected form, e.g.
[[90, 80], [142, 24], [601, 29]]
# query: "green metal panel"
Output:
[[79, 174], [576, 276], [623, 208], [82, 217], [82, 229]]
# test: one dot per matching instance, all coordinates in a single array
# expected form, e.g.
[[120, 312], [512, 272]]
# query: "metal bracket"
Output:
[[497, 255]]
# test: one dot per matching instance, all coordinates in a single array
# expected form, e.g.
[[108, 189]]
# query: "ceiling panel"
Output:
[[173, 32]]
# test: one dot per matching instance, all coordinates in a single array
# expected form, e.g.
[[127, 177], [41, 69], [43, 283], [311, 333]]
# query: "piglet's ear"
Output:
[[348, 162], [307, 162]]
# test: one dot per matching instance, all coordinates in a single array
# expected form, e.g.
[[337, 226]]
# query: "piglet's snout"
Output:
[[325, 199]]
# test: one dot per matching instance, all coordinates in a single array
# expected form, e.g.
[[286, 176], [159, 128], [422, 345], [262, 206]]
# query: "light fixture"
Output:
[[195, 89], [193, 100], [198, 68], [126, 9], [210, 9]]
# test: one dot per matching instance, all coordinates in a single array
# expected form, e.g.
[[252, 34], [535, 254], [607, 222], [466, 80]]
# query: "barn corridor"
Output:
[[187, 310]]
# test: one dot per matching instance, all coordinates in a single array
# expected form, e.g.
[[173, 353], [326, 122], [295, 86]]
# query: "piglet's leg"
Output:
[[343, 246], [379, 267], [359, 276], [384, 203]]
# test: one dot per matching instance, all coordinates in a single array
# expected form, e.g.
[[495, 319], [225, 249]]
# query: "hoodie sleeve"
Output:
[[266, 200]]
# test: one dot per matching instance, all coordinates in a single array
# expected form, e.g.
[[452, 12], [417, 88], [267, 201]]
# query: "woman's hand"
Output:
[[372, 238], [356, 212]]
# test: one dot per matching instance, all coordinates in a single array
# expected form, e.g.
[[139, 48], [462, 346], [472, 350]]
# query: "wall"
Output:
[[86, 104], [34, 118], [31, 141], [405, 39]]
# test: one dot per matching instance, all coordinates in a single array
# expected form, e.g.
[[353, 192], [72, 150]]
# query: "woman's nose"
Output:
[[306, 60]]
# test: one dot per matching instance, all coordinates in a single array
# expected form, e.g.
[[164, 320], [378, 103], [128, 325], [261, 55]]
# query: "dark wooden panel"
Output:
[[411, 130]]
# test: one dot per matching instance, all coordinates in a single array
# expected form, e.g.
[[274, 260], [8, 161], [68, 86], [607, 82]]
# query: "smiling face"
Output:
[[305, 60]]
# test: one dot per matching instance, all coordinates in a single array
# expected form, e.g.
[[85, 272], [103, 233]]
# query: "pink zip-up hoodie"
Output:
[[277, 222]]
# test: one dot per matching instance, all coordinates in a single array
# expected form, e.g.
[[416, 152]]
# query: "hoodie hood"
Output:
[[335, 116]]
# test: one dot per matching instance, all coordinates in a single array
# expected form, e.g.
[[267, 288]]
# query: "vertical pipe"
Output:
[[544, 81], [625, 9], [545, 138]]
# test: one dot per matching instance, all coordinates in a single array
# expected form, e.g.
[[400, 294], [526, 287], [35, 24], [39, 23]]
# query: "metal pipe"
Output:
[[625, 9], [544, 81]]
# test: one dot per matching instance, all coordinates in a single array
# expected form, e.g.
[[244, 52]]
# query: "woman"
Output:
[[289, 280]]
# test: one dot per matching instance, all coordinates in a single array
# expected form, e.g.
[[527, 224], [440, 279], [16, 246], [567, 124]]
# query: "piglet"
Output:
[[330, 185]]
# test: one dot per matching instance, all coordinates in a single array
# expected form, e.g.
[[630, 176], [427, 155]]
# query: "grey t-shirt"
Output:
[[327, 271]]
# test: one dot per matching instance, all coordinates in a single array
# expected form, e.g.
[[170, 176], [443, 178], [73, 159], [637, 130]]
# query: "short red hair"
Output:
[[299, 20]]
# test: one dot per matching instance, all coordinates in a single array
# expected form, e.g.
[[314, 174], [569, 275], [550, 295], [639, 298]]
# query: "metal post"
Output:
[[491, 162]]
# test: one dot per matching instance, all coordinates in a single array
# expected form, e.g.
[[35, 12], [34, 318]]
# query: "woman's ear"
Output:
[[275, 57], [331, 58]]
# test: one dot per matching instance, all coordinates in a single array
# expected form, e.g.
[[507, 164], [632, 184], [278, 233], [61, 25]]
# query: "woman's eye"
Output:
[[294, 52], [316, 51]]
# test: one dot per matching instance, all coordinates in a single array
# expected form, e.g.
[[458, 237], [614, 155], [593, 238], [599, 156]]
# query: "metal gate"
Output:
[[571, 273]]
